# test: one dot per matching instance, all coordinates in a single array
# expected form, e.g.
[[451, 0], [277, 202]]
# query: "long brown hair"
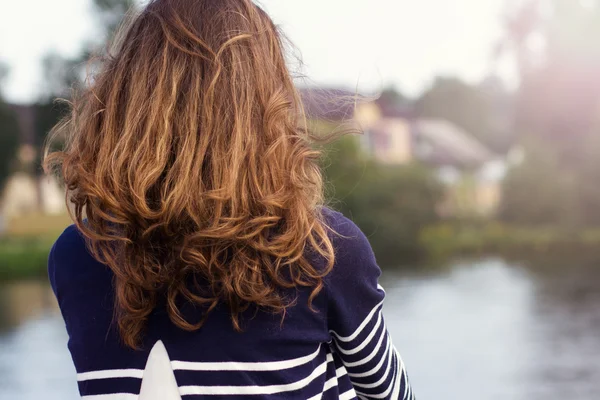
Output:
[[189, 169]]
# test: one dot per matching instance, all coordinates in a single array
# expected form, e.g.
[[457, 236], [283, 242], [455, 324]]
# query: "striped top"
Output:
[[340, 351]]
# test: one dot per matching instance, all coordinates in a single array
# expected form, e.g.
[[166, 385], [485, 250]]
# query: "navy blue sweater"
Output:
[[342, 351]]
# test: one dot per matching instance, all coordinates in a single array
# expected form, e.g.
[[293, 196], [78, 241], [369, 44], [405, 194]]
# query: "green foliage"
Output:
[[61, 75], [114, 6], [22, 258], [445, 240], [112, 12], [393, 96], [544, 190], [558, 184], [3, 72], [389, 203], [9, 141], [24, 248], [48, 114], [9, 135], [482, 111], [536, 191]]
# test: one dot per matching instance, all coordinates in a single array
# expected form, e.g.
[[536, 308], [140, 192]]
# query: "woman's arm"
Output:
[[359, 334]]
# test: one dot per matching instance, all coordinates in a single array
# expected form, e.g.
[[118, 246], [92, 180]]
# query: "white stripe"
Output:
[[328, 385], [110, 373], [370, 356], [380, 380], [406, 388], [202, 366], [411, 395], [350, 394], [379, 364], [114, 396], [362, 325], [387, 391], [244, 366], [341, 371], [367, 339], [254, 390]]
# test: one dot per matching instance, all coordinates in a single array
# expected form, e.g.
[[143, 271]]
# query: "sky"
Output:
[[360, 44]]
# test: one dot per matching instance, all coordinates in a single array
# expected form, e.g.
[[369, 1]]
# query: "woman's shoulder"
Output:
[[353, 252], [70, 261], [352, 288], [69, 245], [338, 220], [69, 237]]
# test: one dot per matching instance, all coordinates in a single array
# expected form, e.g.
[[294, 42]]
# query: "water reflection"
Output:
[[34, 363], [492, 331], [464, 334], [24, 301], [566, 350], [477, 331]]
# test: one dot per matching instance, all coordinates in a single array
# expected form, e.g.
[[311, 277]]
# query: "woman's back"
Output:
[[202, 256], [339, 351]]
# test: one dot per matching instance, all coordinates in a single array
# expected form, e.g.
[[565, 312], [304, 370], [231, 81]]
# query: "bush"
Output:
[[23, 258], [448, 240], [390, 203]]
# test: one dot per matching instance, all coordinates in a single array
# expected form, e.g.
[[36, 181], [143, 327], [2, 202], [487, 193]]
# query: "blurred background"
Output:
[[476, 179]]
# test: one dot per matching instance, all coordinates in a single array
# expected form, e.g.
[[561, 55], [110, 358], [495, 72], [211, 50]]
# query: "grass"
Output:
[[23, 257], [25, 246], [447, 240]]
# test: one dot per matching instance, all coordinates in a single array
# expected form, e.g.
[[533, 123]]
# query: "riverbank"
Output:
[[24, 249], [23, 257], [26, 243], [445, 241]]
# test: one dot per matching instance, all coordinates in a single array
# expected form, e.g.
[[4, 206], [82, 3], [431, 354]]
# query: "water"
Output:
[[476, 331], [34, 361]]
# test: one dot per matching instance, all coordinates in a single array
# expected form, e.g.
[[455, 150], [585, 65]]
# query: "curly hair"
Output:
[[189, 169]]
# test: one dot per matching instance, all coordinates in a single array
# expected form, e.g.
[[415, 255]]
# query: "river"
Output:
[[487, 330]]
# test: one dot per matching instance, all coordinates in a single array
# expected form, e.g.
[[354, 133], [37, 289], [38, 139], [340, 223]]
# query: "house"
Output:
[[324, 104], [470, 171], [393, 134], [385, 126]]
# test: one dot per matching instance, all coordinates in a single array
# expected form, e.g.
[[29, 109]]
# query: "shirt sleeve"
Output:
[[355, 320], [66, 252], [52, 271], [80, 285]]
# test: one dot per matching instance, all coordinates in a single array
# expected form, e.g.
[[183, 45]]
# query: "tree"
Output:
[[3, 72], [62, 74], [539, 174], [394, 97], [558, 110], [480, 110], [390, 203], [9, 135], [520, 23], [111, 13]]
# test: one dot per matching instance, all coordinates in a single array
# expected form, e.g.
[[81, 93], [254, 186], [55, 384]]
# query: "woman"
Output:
[[202, 263]]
